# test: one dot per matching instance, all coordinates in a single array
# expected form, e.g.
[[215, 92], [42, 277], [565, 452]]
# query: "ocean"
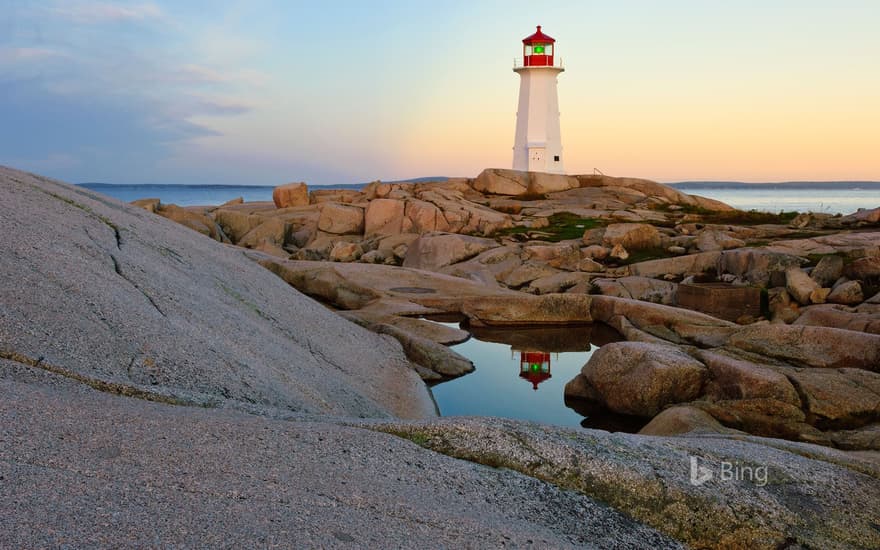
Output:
[[829, 197]]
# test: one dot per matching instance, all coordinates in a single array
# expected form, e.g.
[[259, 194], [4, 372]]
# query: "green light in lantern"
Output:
[[535, 367], [538, 49]]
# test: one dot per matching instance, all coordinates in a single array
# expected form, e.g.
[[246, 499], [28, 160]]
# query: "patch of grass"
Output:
[[733, 217], [563, 226], [750, 217]]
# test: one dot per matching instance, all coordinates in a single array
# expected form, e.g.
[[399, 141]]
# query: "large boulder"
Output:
[[565, 256], [838, 398], [526, 273], [848, 293], [683, 419], [631, 236], [236, 223], [291, 194], [828, 270], [810, 346], [272, 231], [340, 219], [670, 323], [733, 378], [343, 251], [710, 239], [432, 251], [525, 309], [800, 286], [865, 318], [638, 288], [496, 181], [864, 268], [756, 265], [691, 264], [839, 316], [384, 217], [423, 217], [543, 183], [194, 220], [428, 354], [640, 379]]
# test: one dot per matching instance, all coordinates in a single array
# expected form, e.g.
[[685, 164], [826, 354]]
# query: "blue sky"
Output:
[[264, 92]]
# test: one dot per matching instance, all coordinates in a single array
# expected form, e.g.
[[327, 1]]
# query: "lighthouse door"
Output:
[[536, 159]]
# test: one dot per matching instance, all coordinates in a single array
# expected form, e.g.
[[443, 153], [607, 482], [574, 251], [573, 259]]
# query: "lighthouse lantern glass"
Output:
[[538, 49]]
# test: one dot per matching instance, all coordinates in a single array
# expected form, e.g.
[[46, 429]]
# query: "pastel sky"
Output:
[[265, 92]]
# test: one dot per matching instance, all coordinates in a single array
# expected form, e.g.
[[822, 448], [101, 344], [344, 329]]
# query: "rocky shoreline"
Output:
[[801, 361], [146, 347]]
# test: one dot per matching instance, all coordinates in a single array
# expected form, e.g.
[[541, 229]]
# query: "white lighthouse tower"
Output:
[[538, 143]]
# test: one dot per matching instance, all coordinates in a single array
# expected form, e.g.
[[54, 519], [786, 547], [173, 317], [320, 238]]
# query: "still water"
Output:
[[521, 373]]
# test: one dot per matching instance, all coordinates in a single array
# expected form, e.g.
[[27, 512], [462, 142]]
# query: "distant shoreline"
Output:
[[677, 185], [776, 185]]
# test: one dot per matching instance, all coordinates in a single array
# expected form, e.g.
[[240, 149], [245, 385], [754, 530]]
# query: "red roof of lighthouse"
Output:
[[538, 38]]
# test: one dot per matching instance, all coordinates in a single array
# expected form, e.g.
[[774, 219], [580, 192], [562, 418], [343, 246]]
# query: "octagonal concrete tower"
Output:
[[537, 146]]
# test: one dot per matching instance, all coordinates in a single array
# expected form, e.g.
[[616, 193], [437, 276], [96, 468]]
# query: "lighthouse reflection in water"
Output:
[[521, 373], [534, 366]]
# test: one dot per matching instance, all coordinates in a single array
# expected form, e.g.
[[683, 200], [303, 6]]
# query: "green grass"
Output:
[[733, 217], [750, 217], [563, 226]]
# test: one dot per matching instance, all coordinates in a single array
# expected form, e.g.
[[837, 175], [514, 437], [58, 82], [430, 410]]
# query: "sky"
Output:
[[264, 92]]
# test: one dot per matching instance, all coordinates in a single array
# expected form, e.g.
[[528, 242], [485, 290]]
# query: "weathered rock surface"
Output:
[[107, 307], [808, 346], [638, 288], [159, 303], [827, 270], [384, 217], [292, 194], [523, 309], [341, 220], [497, 181], [799, 285], [864, 318], [683, 419], [848, 293], [90, 469], [649, 478], [631, 236], [756, 265], [640, 379], [432, 251]]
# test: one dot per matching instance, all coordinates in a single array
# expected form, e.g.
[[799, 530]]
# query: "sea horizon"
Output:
[[830, 197]]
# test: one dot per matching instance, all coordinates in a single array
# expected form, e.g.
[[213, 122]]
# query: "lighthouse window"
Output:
[[539, 49], [555, 158]]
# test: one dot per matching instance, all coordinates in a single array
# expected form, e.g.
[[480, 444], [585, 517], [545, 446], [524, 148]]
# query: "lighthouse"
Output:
[[537, 146]]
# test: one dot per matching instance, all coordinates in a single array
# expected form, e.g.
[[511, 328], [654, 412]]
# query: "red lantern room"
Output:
[[534, 366], [538, 50]]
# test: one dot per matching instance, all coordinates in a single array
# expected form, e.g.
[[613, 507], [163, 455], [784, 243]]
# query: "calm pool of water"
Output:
[[521, 373]]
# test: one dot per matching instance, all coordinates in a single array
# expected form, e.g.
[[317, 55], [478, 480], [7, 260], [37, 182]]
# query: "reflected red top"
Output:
[[538, 38]]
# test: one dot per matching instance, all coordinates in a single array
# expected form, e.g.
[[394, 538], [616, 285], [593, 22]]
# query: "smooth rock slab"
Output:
[[84, 469]]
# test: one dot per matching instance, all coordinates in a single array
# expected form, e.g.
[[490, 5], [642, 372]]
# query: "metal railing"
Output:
[[518, 63]]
